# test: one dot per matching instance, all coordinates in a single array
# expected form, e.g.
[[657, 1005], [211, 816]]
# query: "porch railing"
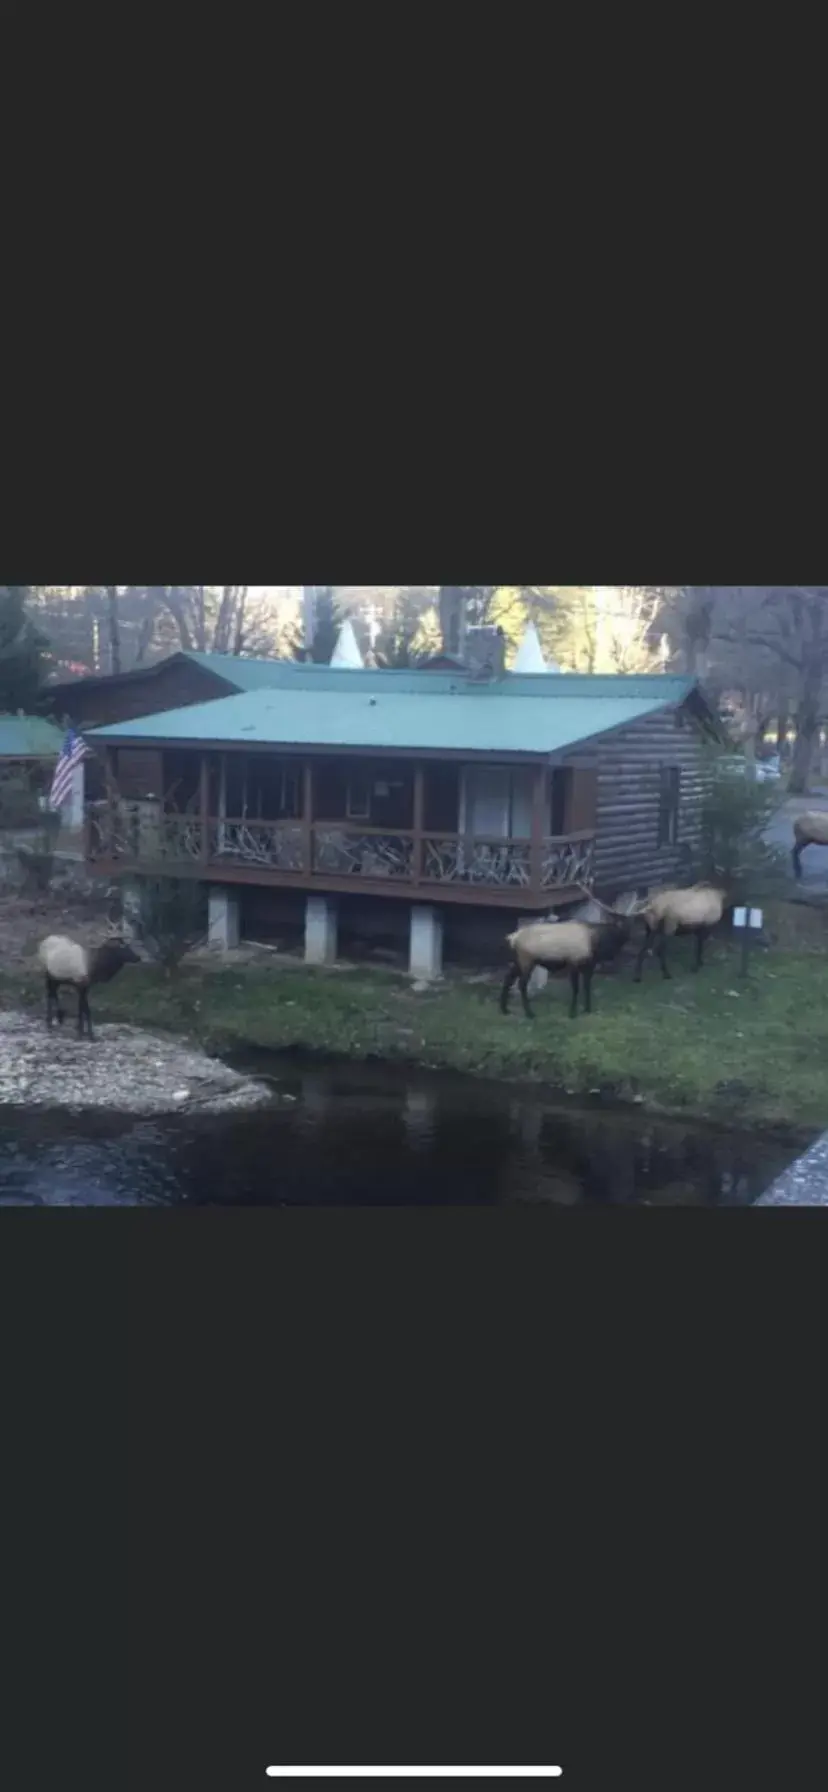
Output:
[[340, 850], [276, 845], [133, 832], [568, 860], [343, 851]]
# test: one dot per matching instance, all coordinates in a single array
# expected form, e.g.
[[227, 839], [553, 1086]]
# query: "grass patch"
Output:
[[743, 1052]]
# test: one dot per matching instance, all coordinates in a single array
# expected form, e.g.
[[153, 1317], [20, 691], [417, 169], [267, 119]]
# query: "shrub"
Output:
[[736, 814], [169, 917], [20, 801]]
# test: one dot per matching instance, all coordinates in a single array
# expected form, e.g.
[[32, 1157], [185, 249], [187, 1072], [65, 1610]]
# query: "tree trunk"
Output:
[[699, 602], [803, 753], [114, 629], [201, 618], [172, 597], [238, 641], [450, 609], [807, 728], [221, 634], [144, 637]]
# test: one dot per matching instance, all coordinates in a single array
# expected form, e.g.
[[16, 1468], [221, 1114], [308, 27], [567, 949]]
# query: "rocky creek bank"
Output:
[[123, 1069]]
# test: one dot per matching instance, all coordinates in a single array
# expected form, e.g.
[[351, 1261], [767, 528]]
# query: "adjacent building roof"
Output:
[[257, 675], [404, 712], [29, 737], [442, 674], [261, 675]]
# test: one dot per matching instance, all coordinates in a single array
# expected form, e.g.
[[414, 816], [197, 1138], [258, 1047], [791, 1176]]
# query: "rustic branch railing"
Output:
[[136, 833], [568, 861], [275, 845], [364, 852], [458, 858]]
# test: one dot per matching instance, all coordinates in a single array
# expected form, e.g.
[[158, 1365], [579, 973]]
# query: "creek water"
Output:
[[377, 1135]]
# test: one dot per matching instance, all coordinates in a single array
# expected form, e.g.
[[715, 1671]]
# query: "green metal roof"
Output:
[[29, 737], [257, 675], [485, 720]]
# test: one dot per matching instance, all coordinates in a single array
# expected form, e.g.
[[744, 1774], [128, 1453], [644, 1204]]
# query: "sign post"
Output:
[[747, 921]]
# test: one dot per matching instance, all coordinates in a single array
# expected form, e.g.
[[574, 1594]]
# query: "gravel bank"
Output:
[[123, 1069], [805, 1183]]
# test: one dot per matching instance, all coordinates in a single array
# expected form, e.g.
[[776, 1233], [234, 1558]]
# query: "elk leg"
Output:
[[508, 985], [589, 972], [84, 1014], [575, 980], [639, 964], [51, 996], [701, 936], [524, 993], [661, 949]]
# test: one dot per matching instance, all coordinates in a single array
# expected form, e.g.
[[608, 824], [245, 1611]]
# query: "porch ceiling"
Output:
[[388, 721]]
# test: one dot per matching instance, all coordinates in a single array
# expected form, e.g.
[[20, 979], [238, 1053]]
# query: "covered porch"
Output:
[[513, 830]]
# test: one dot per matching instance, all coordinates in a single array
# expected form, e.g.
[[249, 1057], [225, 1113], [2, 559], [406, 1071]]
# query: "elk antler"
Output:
[[591, 897]]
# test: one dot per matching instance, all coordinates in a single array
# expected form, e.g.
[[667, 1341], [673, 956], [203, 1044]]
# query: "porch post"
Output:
[[222, 803], [204, 806], [419, 812], [111, 796], [539, 807], [307, 817]]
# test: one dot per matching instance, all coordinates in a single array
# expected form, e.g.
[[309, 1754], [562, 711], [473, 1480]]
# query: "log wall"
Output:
[[627, 795]]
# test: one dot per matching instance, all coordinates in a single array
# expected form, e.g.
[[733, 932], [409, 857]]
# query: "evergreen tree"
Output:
[[328, 622], [21, 652], [411, 633]]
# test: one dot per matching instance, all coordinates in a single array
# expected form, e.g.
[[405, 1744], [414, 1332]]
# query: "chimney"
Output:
[[451, 605], [485, 653]]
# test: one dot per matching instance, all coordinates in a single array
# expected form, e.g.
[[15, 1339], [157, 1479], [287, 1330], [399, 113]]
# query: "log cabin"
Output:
[[412, 804]]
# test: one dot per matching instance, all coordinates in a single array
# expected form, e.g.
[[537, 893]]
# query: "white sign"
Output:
[[748, 917]]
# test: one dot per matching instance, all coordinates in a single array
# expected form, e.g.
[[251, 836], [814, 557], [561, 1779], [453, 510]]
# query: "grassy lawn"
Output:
[[745, 1052]]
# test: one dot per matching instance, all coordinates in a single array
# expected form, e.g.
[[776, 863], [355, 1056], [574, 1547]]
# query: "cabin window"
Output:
[[668, 809], [358, 806], [574, 799]]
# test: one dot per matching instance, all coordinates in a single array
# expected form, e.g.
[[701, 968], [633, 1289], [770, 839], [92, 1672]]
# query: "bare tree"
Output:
[[114, 629], [205, 618], [788, 626]]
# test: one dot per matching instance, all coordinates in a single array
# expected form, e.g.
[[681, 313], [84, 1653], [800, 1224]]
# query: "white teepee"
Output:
[[346, 651], [530, 653]]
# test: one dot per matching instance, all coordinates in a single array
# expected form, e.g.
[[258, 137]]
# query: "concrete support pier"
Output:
[[131, 907], [426, 961], [321, 930], [223, 910]]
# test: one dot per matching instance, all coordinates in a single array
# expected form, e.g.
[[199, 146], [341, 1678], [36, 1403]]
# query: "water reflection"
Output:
[[370, 1135]]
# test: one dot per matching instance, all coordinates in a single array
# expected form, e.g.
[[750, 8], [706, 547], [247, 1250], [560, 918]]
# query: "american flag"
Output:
[[71, 754]]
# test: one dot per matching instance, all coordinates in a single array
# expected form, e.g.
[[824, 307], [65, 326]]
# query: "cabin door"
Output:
[[487, 802]]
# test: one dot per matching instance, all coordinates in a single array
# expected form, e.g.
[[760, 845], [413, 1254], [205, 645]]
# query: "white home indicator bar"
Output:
[[415, 1773]]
